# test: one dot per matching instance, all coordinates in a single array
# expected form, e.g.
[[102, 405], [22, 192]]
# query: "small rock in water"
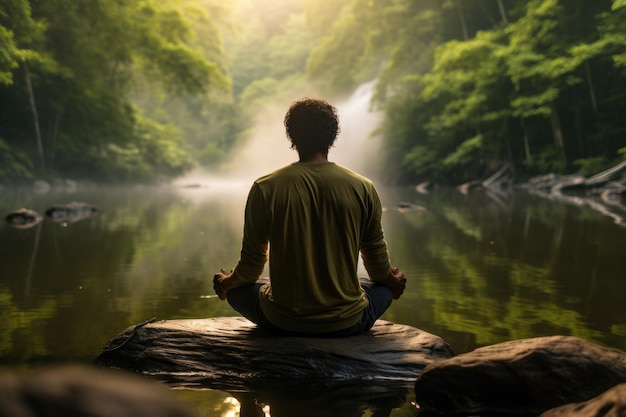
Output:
[[23, 218], [71, 212]]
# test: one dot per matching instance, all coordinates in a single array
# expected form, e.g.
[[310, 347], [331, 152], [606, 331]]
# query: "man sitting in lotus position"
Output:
[[312, 217]]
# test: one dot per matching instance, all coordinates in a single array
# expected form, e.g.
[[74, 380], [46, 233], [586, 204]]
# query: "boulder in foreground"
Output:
[[527, 376], [85, 391]]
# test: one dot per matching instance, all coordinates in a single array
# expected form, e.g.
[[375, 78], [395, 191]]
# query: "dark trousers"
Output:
[[245, 300]]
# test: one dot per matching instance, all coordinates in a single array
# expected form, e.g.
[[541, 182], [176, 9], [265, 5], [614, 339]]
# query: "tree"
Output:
[[88, 127], [21, 46], [554, 80], [469, 83]]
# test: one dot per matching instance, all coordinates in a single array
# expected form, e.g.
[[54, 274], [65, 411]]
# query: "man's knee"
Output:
[[380, 298]]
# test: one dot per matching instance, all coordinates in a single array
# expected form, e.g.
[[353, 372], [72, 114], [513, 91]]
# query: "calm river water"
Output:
[[481, 269]]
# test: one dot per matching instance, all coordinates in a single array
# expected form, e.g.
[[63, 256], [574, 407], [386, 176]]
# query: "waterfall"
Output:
[[356, 148], [268, 148]]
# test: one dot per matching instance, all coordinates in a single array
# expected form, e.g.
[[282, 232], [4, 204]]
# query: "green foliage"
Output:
[[612, 40], [537, 72], [466, 153], [535, 105], [421, 160], [288, 52], [162, 148], [591, 166], [166, 44], [337, 63], [81, 64], [259, 90], [211, 154], [538, 82], [13, 163], [20, 37], [269, 46], [547, 160], [150, 152], [7, 51], [159, 153]]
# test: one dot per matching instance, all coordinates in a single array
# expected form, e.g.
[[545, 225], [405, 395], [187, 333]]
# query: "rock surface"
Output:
[[23, 218], [232, 353], [527, 376], [71, 212], [85, 391], [610, 404]]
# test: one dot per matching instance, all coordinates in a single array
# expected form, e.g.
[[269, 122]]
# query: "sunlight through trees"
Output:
[[147, 90]]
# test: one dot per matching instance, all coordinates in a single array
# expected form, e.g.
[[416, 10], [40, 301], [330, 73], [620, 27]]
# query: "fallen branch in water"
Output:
[[604, 192]]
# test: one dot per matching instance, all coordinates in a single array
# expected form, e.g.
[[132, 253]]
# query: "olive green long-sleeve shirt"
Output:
[[313, 220]]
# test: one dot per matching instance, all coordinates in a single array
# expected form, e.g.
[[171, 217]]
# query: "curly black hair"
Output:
[[312, 125]]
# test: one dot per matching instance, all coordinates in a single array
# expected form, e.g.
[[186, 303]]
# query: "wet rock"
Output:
[[404, 207], [424, 187], [527, 376], [82, 391], [612, 403], [71, 212], [232, 353], [23, 218]]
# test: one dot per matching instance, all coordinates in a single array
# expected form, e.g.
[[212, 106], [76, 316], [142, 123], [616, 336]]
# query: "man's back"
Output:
[[316, 217]]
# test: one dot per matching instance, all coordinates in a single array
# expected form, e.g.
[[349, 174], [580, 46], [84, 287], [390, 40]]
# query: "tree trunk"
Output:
[[502, 12], [526, 142], [498, 177], [557, 132], [52, 138], [592, 90], [581, 191], [605, 176], [462, 19], [33, 107]]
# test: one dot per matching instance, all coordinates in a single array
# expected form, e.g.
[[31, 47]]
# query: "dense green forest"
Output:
[[146, 90]]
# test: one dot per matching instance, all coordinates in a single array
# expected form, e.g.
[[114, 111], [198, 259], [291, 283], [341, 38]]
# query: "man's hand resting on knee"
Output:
[[223, 283], [396, 282]]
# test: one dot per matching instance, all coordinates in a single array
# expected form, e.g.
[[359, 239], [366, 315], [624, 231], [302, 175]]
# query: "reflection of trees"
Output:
[[180, 244], [525, 304], [509, 269], [20, 323], [148, 253]]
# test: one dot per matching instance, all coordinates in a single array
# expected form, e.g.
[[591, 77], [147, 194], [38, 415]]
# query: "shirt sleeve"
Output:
[[255, 238], [373, 245]]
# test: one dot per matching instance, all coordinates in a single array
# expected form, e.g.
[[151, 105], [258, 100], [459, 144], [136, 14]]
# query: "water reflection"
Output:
[[482, 269], [305, 399], [66, 288], [281, 402], [492, 270]]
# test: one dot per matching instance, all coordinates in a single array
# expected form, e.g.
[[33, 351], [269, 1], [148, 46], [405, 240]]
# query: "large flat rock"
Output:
[[232, 353]]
